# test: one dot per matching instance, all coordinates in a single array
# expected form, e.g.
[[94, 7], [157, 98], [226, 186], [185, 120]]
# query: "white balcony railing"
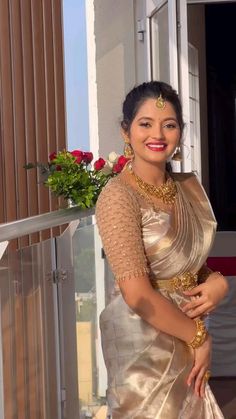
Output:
[[51, 294]]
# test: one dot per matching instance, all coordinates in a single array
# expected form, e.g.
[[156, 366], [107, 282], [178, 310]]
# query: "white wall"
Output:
[[115, 65], [140, 46]]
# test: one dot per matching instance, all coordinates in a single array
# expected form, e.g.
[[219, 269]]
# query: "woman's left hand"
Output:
[[208, 295], [202, 360]]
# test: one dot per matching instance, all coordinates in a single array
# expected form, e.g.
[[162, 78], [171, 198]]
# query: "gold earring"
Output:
[[177, 156], [128, 150]]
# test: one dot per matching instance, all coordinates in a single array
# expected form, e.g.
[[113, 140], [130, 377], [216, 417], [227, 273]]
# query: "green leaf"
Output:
[[77, 182]]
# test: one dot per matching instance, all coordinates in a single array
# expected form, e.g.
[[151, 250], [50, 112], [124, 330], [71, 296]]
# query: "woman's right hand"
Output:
[[202, 360], [209, 294]]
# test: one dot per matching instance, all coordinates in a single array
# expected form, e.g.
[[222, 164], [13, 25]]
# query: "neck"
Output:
[[152, 173]]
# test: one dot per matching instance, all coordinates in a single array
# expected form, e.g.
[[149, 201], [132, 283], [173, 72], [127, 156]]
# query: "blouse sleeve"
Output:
[[119, 223]]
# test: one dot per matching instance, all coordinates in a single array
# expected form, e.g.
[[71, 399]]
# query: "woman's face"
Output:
[[154, 133]]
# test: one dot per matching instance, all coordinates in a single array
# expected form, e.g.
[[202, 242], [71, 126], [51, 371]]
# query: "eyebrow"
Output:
[[170, 118]]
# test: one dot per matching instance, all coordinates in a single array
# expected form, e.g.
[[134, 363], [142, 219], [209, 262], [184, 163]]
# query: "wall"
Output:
[[197, 36], [140, 45], [31, 103], [115, 61]]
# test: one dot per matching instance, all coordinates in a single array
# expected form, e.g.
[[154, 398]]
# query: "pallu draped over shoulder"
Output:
[[147, 368]]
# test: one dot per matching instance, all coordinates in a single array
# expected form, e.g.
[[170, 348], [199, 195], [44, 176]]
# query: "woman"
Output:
[[157, 230]]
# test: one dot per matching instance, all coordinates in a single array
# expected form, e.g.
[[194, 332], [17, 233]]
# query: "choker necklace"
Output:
[[166, 192]]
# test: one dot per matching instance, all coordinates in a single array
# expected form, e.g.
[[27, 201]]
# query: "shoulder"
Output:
[[116, 195], [116, 189], [183, 177], [188, 181], [194, 191]]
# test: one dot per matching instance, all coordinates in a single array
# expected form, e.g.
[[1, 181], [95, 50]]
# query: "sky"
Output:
[[75, 50]]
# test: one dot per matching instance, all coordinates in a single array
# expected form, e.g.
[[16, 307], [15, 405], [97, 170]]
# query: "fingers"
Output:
[[200, 383], [203, 387], [202, 310], [192, 375], [198, 377], [199, 306], [194, 291], [194, 303]]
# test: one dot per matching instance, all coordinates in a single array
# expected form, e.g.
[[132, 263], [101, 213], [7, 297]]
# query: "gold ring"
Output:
[[207, 375]]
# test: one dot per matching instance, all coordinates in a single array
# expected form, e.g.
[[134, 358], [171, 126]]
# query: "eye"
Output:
[[170, 125], [145, 124]]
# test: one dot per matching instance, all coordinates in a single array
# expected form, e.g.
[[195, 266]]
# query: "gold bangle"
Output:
[[201, 335]]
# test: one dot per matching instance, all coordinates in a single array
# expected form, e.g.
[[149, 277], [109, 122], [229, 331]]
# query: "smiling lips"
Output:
[[156, 146]]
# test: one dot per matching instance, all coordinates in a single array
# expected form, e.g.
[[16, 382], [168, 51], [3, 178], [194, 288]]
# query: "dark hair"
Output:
[[138, 95]]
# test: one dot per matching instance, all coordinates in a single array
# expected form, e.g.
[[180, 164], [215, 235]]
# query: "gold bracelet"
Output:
[[201, 335]]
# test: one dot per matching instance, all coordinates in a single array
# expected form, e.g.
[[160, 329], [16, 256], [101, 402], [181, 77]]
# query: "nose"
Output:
[[157, 132]]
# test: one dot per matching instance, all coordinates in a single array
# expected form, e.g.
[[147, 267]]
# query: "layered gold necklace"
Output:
[[166, 192]]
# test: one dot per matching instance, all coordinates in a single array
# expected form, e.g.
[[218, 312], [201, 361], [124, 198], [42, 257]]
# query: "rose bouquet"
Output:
[[72, 175]]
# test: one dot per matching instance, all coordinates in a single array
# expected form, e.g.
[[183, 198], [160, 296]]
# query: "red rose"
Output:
[[122, 160], [78, 154], [99, 164], [52, 156], [87, 157], [117, 168], [58, 168]]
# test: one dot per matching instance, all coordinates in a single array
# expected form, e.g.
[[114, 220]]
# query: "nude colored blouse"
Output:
[[119, 221], [141, 238]]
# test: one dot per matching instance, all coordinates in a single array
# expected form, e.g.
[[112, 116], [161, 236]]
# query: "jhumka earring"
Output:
[[177, 156], [160, 102], [128, 151]]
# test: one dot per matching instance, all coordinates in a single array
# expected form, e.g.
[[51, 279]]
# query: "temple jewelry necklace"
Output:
[[166, 192]]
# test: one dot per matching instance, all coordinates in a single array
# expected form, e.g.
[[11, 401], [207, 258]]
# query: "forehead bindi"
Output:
[[149, 110]]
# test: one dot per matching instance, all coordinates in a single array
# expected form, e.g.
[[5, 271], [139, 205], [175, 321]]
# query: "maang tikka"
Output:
[[160, 102]]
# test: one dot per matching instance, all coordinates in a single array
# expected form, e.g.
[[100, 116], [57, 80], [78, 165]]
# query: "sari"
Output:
[[147, 368]]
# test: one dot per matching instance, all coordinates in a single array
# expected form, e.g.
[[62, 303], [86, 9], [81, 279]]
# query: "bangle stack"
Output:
[[201, 335]]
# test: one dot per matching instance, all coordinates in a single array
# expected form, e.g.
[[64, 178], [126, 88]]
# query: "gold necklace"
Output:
[[166, 192]]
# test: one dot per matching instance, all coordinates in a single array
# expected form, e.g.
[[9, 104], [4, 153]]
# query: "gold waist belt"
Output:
[[184, 282]]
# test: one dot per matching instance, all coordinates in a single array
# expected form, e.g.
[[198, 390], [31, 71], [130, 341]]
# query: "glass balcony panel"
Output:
[[29, 370], [51, 296], [89, 299]]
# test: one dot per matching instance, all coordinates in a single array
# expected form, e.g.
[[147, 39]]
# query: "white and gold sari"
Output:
[[148, 369]]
